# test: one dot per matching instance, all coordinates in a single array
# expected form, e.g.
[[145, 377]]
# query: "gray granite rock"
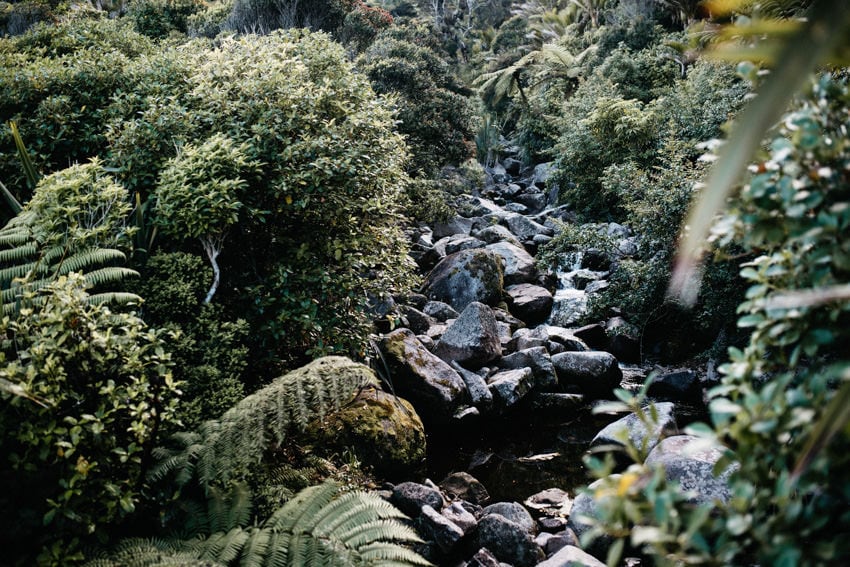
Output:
[[594, 373], [473, 339], [465, 277]]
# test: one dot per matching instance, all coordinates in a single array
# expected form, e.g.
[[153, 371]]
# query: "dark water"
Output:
[[517, 456]]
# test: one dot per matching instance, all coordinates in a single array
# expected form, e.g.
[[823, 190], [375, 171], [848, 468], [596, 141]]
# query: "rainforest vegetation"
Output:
[[200, 198]]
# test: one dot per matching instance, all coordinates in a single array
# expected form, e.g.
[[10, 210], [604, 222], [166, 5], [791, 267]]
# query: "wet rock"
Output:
[[553, 524], [559, 541], [570, 341], [556, 403], [568, 307], [508, 541], [383, 430], [458, 242], [483, 558], [497, 233], [465, 277], [571, 556], [623, 339], [540, 363], [411, 497], [513, 511], [534, 202], [524, 339], [433, 387], [688, 462], [597, 286], [542, 173], [440, 311], [595, 260], [445, 533], [594, 373], [681, 385], [479, 392], [518, 264], [512, 166], [473, 339], [510, 386], [464, 486], [594, 335], [531, 303], [479, 207], [585, 510], [457, 225], [631, 427], [525, 229], [416, 320], [550, 502], [461, 517]]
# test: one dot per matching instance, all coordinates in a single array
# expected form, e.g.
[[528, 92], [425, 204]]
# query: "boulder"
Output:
[[508, 541], [568, 307], [479, 392], [472, 339], [416, 320], [594, 335], [497, 233], [465, 277], [510, 386], [461, 517], [680, 385], [518, 264], [594, 373], [513, 511], [411, 497], [483, 558], [542, 173], [550, 502], [566, 337], [690, 463], [524, 228], [534, 201], [456, 243], [457, 225], [464, 486], [631, 427], [433, 387], [530, 303], [571, 556], [436, 527], [557, 403], [383, 430], [540, 363], [440, 311], [585, 510]]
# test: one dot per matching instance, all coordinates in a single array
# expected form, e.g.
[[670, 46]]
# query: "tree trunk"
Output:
[[212, 246]]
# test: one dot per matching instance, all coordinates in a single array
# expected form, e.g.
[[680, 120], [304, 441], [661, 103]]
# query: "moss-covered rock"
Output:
[[382, 430]]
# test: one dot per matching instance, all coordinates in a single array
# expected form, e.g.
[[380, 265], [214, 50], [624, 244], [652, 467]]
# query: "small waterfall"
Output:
[[570, 303]]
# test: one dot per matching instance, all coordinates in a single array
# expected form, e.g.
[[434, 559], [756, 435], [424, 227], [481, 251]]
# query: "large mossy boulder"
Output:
[[382, 430]]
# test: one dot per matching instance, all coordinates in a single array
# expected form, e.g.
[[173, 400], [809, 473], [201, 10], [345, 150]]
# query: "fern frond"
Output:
[[80, 261], [114, 298], [25, 250], [390, 554], [110, 275], [230, 446]]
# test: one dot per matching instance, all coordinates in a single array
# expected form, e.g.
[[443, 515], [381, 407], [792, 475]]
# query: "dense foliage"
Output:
[[788, 503]]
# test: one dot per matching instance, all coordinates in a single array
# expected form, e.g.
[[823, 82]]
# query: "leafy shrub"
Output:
[[210, 20], [159, 18], [779, 413], [17, 17], [56, 83], [102, 389], [434, 114]]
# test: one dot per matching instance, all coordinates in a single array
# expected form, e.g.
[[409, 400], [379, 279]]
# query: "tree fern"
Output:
[[227, 448]]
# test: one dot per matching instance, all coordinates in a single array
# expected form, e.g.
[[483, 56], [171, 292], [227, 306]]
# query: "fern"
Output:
[[226, 449], [322, 525]]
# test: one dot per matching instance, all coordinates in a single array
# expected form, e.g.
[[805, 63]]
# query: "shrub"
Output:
[[102, 389], [435, 116], [159, 18], [777, 413]]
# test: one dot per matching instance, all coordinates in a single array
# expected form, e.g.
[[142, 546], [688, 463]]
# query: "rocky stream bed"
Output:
[[503, 379]]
